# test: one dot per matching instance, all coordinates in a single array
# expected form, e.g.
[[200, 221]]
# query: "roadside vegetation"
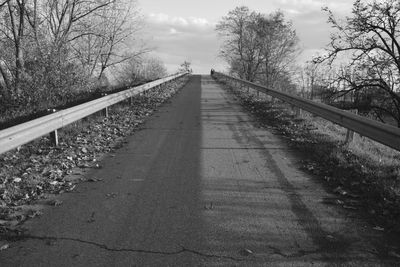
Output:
[[369, 78], [363, 174], [38, 172], [55, 54], [259, 47], [360, 71]]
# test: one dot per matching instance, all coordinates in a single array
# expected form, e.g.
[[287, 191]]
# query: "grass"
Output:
[[361, 146]]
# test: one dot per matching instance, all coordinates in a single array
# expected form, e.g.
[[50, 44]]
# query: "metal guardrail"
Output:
[[380, 132], [18, 135]]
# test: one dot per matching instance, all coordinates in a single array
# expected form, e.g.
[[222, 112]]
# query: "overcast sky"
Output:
[[185, 29]]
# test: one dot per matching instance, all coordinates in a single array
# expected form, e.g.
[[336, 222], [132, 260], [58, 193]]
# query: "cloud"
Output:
[[310, 22], [173, 31], [340, 6], [179, 38], [180, 22], [183, 38]]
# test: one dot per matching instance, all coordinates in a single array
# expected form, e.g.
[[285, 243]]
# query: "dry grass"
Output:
[[361, 146]]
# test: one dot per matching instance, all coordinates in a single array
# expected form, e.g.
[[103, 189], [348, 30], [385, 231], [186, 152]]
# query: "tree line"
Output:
[[360, 68], [258, 47], [52, 49]]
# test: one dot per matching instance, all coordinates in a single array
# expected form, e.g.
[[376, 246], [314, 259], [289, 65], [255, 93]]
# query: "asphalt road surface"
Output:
[[199, 185]]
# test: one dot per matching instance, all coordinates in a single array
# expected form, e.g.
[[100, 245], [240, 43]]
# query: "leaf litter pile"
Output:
[[38, 170], [359, 183]]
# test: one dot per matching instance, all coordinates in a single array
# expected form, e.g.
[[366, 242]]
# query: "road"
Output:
[[200, 185]]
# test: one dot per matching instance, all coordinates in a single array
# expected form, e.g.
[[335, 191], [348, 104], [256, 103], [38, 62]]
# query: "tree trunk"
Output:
[[19, 68], [18, 34], [5, 78]]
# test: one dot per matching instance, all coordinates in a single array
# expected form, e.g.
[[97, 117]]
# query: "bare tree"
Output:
[[63, 15], [240, 42], [312, 76], [3, 3], [143, 68], [278, 46], [185, 67], [106, 39], [153, 68], [23, 18], [370, 40], [52, 48], [258, 47], [13, 30]]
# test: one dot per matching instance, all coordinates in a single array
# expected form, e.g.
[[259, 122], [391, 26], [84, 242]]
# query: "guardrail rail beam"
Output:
[[18, 135], [380, 132]]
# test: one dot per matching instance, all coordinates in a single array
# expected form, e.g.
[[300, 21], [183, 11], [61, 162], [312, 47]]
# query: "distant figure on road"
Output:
[[212, 71]]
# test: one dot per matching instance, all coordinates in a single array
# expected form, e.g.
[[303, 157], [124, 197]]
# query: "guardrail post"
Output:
[[105, 111], [349, 136], [298, 111], [54, 138], [54, 135], [350, 133], [14, 137]]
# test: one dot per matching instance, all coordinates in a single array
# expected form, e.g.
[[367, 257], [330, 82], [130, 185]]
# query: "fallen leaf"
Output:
[[332, 201], [35, 214], [71, 188], [394, 254], [4, 247], [209, 207], [378, 228], [17, 180], [91, 219], [54, 202], [246, 252], [94, 180], [340, 191], [349, 207]]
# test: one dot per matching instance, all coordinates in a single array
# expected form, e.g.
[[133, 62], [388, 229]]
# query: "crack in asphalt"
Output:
[[105, 247], [300, 253]]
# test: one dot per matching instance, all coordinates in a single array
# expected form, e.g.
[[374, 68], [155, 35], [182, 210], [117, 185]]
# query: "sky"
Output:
[[180, 30]]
